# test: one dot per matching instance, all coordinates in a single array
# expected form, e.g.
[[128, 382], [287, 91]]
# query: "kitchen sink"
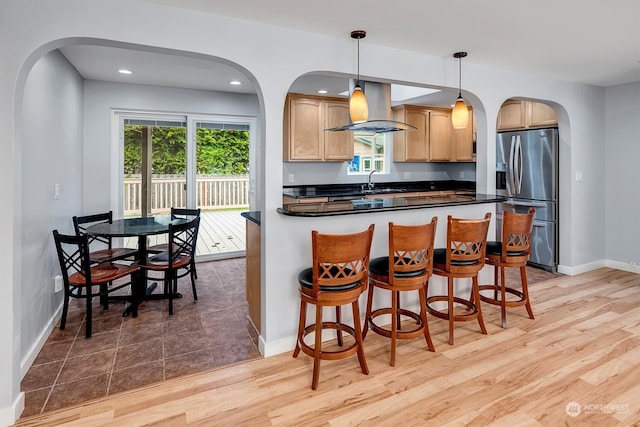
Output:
[[382, 190]]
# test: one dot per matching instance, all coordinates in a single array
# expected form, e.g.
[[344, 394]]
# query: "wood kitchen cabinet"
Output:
[[434, 139], [252, 260], [462, 141], [305, 138], [521, 114]]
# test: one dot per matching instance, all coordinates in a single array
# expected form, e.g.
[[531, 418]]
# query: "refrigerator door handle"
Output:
[[533, 204], [519, 163], [511, 178], [540, 224]]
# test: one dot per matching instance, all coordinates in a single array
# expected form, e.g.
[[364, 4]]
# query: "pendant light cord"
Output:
[[459, 76]]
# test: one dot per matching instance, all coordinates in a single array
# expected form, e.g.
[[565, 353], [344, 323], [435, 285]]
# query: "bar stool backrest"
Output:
[[516, 236], [466, 244], [340, 259], [411, 250]]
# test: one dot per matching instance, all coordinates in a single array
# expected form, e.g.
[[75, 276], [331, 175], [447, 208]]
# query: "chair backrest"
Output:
[[184, 213], [182, 238], [340, 259], [73, 255], [516, 235], [466, 244], [81, 223], [411, 250]]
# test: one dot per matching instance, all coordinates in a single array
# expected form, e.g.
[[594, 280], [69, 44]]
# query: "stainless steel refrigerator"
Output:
[[527, 173]]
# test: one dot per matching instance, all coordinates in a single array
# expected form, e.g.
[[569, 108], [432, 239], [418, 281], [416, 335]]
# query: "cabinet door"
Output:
[[338, 146], [462, 140], [439, 135], [305, 129], [541, 115], [512, 115], [417, 145]]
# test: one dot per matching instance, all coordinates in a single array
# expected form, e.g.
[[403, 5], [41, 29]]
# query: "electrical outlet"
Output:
[[407, 175], [292, 178], [461, 174], [578, 176], [57, 283]]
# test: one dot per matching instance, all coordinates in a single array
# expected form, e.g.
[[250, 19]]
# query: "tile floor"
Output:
[[126, 353]]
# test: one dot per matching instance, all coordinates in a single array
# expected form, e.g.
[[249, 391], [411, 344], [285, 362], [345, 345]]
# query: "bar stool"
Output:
[[463, 257], [407, 268], [512, 252], [338, 276]]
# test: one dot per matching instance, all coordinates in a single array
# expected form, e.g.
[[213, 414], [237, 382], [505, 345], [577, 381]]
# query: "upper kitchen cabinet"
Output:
[[434, 139], [462, 141], [521, 114], [305, 138]]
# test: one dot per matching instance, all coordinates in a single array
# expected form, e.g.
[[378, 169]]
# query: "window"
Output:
[[369, 153]]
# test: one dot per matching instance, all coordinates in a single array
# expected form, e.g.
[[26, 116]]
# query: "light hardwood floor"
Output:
[[583, 347]]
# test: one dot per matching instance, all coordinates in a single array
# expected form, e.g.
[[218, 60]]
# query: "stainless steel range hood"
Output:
[[379, 100]]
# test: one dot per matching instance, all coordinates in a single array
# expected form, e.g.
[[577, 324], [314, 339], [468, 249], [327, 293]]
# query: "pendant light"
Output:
[[460, 113], [358, 107]]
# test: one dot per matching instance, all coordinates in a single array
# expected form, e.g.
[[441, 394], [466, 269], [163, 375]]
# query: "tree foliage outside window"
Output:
[[218, 152]]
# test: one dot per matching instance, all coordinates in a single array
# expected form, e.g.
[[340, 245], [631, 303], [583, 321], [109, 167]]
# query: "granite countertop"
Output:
[[347, 190], [368, 205], [253, 216]]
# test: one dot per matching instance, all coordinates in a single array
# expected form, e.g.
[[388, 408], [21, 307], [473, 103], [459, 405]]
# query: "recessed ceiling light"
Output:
[[125, 71], [322, 91], [235, 82]]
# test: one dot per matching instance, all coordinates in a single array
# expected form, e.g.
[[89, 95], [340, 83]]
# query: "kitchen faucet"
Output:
[[370, 184]]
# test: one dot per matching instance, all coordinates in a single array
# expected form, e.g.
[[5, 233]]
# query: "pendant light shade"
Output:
[[460, 112], [358, 106]]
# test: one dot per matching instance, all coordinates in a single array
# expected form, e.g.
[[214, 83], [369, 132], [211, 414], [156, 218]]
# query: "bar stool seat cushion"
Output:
[[380, 266], [495, 248], [440, 257], [305, 278]]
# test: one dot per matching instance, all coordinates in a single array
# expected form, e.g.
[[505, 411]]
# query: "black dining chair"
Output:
[[178, 257], [79, 272], [180, 213], [108, 253]]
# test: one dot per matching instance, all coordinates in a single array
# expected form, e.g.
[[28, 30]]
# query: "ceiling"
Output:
[[594, 42]]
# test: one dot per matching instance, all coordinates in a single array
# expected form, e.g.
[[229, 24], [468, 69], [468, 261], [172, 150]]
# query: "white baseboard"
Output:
[[618, 265], [31, 355], [572, 271], [9, 415]]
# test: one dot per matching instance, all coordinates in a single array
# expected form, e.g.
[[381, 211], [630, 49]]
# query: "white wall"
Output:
[[51, 154], [274, 58], [622, 191]]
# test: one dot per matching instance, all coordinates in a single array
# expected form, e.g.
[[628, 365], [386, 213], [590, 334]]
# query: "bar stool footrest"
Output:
[[400, 334], [508, 303], [472, 315], [330, 355]]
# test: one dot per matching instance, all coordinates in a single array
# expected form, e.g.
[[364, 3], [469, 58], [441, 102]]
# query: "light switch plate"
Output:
[[578, 176], [292, 178]]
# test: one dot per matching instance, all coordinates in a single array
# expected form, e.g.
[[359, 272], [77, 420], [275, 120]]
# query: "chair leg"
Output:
[[398, 323], [450, 307], [394, 325], [193, 269], [65, 309], [338, 331], [503, 298], [359, 339], [317, 350], [301, 325], [423, 315], [495, 282], [193, 284], [367, 317], [476, 291], [88, 315], [525, 291], [104, 297], [168, 285]]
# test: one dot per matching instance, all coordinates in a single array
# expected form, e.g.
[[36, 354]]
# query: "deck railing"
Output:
[[213, 192]]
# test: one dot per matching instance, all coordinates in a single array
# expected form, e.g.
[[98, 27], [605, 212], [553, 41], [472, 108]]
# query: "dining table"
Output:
[[142, 228]]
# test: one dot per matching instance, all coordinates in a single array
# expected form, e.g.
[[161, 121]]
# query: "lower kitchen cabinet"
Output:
[[253, 253]]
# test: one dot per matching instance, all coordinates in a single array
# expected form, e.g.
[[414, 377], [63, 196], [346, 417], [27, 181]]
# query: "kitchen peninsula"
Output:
[[324, 208]]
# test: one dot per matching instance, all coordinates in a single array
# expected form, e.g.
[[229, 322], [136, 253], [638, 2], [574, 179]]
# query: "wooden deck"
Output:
[[221, 234]]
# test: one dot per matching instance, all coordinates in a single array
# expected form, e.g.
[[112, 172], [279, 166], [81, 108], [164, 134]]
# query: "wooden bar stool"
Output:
[[338, 276], [511, 252], [463, 257], [407, 268]]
